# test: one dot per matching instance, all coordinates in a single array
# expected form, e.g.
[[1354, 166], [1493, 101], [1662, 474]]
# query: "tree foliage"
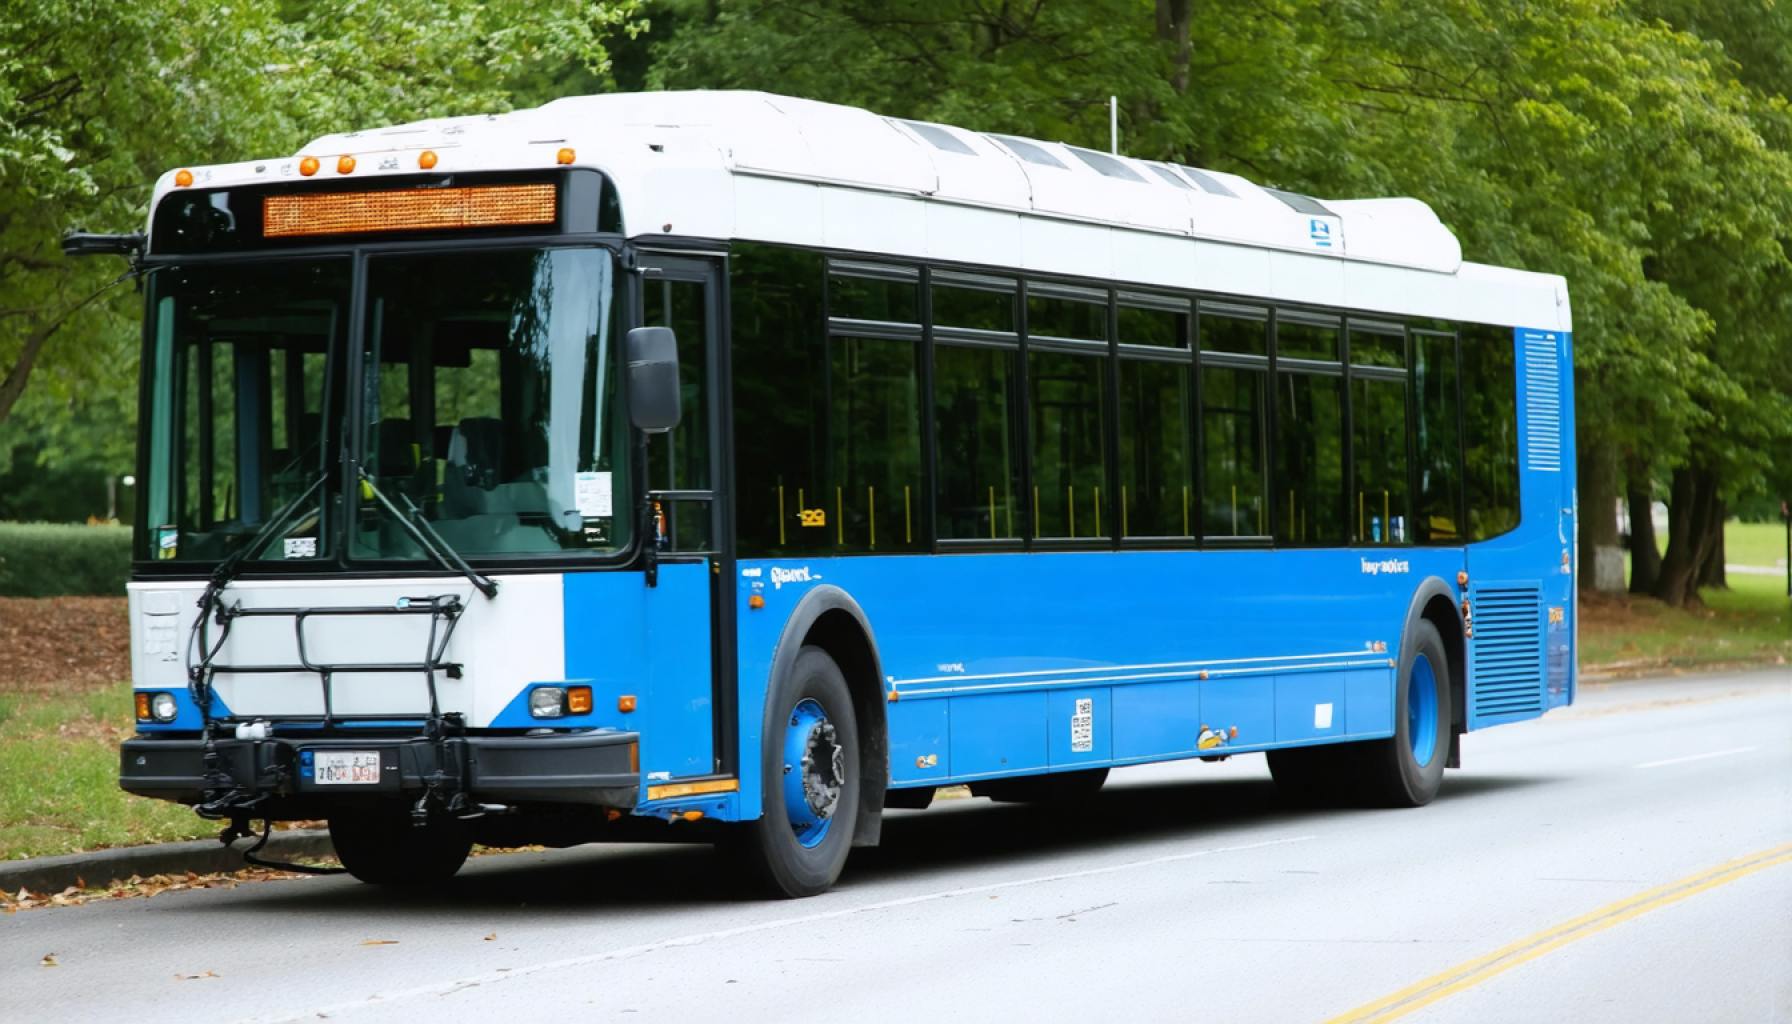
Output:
[[1638, 147]]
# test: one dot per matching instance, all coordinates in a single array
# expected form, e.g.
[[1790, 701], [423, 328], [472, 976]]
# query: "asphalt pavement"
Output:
[[1627, 859]]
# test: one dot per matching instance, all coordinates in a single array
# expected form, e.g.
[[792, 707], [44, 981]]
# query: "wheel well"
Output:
[[1442, 614], [838, 632]]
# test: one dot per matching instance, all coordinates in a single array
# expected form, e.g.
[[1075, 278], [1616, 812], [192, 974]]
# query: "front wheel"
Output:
[[387, 849], [809, 768]]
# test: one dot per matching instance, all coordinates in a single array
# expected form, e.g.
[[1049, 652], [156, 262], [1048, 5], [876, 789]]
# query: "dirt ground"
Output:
[[67, 644]]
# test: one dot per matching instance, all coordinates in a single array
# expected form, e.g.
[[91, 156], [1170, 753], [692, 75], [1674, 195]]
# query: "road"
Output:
[[1628, 859]]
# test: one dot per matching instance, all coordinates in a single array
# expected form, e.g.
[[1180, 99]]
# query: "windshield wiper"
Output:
[[227, 569], [417, 525]]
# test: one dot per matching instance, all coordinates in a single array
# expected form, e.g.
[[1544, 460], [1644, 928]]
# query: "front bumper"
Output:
[[599, 767]]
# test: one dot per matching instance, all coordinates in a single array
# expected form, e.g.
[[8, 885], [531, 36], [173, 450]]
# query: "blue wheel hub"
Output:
[[814, 771], [1421, 710]]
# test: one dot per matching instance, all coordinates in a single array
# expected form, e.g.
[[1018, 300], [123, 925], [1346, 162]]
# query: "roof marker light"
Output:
[[426, 159], [565, 155], [183, 178], [345, 164], [308, 166]]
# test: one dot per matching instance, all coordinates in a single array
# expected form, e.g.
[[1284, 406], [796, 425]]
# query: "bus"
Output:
[[728, 467]]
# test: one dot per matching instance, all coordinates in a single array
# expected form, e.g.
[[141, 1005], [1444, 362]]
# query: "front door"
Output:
[[684, 478]]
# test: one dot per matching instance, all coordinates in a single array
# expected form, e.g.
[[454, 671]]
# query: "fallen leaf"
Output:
[[197, 977], [379, 942], [49, 960], [492, 936]]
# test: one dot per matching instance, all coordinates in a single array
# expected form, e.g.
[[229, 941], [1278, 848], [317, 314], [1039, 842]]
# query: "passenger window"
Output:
[[874, 430], [974, 303], [1309, 474], [1490, 428], [1378, 446], [1068, 403], [1233, 492], [1439, 441], [975, 396], [1156, 456]]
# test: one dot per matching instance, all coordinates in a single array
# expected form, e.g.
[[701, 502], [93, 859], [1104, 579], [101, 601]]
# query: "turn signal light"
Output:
[[625, 703], [183, 178], [142, 707], [578, 700], [756, 602], [308, 166]]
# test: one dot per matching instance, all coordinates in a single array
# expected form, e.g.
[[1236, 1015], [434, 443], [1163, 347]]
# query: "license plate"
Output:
[[347, 767]]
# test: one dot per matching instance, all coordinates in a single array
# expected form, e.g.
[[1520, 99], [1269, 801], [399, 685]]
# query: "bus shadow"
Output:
[[952, 836]]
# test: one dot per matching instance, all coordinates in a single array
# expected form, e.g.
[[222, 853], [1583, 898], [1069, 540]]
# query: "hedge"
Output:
[[54, 560]]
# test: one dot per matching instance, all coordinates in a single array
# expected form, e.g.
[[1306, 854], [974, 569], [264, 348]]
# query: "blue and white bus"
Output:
[[731, 467]]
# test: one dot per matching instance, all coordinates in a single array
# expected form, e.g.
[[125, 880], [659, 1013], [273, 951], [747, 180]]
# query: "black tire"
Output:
[[1391, 776], [1053, 788], [384, 848], [767, 851]]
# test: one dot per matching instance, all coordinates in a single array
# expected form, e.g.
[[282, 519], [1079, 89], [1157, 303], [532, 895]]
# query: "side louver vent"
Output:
[[1542, 402], [1507, 649]]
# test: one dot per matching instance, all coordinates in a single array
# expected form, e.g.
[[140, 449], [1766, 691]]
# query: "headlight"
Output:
[[547, 701], [159, 707]]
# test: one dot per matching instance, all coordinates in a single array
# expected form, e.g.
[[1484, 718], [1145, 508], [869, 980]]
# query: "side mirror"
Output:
[[652, 356]]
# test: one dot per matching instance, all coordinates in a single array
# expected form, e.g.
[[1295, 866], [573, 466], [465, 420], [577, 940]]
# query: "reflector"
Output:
[[414, 209]]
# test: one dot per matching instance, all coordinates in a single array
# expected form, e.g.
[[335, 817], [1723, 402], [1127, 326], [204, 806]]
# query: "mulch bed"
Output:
[[63, 644]]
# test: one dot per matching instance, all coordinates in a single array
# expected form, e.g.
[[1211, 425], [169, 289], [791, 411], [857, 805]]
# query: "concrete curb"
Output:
[[200, 856]]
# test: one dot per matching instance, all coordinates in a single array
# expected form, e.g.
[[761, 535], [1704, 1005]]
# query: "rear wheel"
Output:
[[385, 848], [810, 791], [1406, 769]]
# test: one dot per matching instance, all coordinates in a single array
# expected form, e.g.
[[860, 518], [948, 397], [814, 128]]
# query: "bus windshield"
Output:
[[486, 395], [489, 402], [235, 405]]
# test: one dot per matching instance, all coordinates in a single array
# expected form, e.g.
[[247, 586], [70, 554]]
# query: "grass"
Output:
[[1762, 544], [1751, 622], [59, 778]]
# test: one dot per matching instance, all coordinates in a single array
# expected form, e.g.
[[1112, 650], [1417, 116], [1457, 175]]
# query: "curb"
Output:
[[200, 856]]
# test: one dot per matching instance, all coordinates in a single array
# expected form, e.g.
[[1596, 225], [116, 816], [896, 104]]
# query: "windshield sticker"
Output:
[[591, 492], [301, 547]]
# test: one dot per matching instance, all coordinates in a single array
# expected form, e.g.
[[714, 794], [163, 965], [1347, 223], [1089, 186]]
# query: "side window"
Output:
[[1234, 403], [1156, 411], [1067, 405], [1439, 440], [874, 408], [1378, 434], [679, 459], [976, 407], [1308, 503], [779, 336], [1490, 429]]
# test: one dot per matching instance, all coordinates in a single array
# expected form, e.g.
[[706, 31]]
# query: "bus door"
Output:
[[689, 621]]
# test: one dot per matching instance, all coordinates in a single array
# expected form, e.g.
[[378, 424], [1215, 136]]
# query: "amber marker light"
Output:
[[183, 177], [142, 707], [345, 164], [578, 700], [426, 159], [308, 166], [565, 156], [625, 703], [756, 602]]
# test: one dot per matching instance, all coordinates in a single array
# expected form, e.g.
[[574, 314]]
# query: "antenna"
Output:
[[1114, 125]]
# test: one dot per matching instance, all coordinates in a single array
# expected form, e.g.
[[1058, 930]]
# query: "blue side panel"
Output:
[[918, 736], [1156, 720], [1246, 704], [653, 643], [1309, 707], [998, 734], [1079, 727], [1368, 702]]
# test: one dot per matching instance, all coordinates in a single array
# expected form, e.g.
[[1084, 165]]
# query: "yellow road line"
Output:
[[1467, 975]]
